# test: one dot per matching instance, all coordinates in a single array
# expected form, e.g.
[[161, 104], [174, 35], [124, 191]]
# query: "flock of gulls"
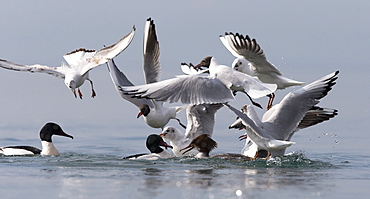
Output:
[[203, 89]]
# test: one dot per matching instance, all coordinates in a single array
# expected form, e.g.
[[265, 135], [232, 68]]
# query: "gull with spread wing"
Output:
[[278, 124], [251, 60], [80, 62], [218, 87], [155, 114]]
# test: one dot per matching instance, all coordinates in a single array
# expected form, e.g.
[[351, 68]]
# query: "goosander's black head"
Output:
[[144, 110], [51, 129], [203, 143], [153, 143], [204, 63]]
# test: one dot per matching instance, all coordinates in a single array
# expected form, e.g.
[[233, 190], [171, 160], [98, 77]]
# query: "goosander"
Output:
[[297, 110], [218, 87], [153, 143], [155, 114], [80, 62], [204, 144], [48, 147], [251, 60], [201, 120]]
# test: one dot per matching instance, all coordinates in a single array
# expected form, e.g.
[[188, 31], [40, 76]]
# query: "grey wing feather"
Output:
[[55, 71], [201, 119], [244, 47], [152, 68], [298, 103], [107, 53], [317, 115], [249, 123], [120, 79], [186, 89]]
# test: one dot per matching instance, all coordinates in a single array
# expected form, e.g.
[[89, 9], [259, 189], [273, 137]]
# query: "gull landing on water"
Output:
[[297, 110], [201, 120], [251, 60], [205, 144], [80, 62]]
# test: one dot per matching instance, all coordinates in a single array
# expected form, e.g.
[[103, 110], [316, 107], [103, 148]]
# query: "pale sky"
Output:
[[305, 40]]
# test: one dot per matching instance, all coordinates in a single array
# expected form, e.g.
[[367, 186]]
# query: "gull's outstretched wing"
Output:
[[151, 53], [244, 47], [55, 71], [120, 79], [86, 60], [295, 105], [317, 115], [186, 89]]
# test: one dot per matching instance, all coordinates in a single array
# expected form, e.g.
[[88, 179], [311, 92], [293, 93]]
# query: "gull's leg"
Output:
[[183, 126], [79, 93], [253, 102], [93, 94], [271, 99], [242, 137]]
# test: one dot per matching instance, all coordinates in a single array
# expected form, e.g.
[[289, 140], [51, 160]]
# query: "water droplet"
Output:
[[238, 192]]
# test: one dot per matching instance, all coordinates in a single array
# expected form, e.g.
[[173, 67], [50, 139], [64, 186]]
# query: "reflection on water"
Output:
[[81, 176]]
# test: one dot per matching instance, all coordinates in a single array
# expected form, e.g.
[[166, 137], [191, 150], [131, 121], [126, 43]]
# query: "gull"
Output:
[[155, 114], [201, 120], [251, 60], [218, 87], [204, 144], [295, 111], [314, 116], [153, 143], [48, 148], [79, 63]]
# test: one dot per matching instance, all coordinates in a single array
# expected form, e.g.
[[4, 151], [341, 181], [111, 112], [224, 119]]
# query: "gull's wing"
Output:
[[287, 115], [201, 119], [316, 115], [120, 79], [187, 89], [257, 132], [244, 47], [55, 71], [86, 60], [152, 67]]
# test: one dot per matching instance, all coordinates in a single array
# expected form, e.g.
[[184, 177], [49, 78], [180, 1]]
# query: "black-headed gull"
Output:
[[218, 87], [283, 119], [204, 144], [153, 143], [155, 114], [201, 120], [80, 62], [314, 116], [251, 60], [48, 148]]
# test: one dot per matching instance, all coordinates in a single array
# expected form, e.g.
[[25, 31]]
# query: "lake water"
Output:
[[91, 169]]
